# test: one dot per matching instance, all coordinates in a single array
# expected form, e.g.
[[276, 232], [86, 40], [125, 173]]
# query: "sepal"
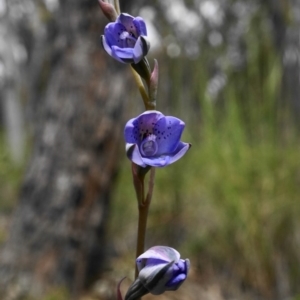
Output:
[[143, 69], [136, 291], [154, 83]]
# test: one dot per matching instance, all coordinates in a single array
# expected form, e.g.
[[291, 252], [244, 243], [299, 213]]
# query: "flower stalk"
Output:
[[143, 207], [117, 6], [148, 105]]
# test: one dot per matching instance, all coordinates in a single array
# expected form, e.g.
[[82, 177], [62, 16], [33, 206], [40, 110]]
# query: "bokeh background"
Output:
[[230, 69]]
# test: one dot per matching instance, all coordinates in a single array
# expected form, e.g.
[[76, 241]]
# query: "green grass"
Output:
[[10, 177], [232, 203], [57, 294], [229, 203]]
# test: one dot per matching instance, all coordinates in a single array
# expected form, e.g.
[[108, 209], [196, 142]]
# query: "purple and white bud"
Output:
[[160, 269]]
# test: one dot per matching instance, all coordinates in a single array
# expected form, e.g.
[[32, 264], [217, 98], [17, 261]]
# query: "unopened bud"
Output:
[[153, 83], [108, 10], [161, 269]]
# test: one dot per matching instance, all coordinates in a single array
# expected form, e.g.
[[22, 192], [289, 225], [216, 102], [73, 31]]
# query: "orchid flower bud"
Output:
[[161, 269], [108, 10], [154, 83]]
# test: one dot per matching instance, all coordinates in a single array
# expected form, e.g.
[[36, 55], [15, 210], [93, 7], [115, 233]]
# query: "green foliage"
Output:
[[57, 294], [10, 177]]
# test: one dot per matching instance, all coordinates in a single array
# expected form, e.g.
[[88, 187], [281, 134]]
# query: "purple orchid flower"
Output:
[[153, 139], [160, 269], [126, 39]]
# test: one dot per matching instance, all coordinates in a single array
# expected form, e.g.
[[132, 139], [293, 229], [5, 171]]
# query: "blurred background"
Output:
[[230, 69]]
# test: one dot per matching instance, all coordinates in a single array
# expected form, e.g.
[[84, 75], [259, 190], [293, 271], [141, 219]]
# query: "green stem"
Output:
[[138, 182], [150, 185], [148, 104], [143, 217], [117, 6], [142, 225]]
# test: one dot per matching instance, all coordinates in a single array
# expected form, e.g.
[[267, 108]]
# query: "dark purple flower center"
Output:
[[149, 146]]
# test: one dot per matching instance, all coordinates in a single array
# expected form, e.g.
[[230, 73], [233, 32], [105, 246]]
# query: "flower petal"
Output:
[[140, 50], [165, 160], [134, 154], [142, 262], [147, 120], [180, 271], [140, 26], [106, 47], [163, 253], [158, 162], [181, 149], [122, 54], [168, 132], [127, 21], [131, 132], [112, 34], [175, 282]]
